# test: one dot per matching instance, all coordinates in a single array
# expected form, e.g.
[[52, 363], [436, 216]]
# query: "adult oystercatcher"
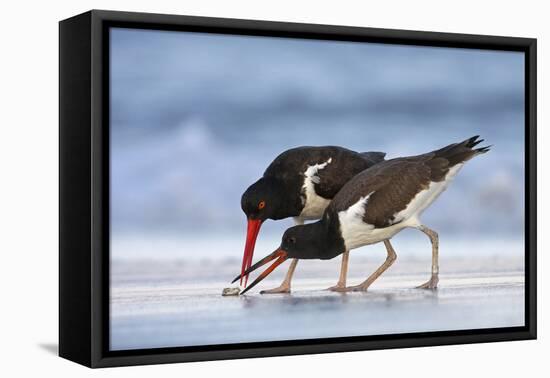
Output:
[[299, 183], [373, 207]]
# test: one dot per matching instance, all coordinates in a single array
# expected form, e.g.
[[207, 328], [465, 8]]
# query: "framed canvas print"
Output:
[[234, 188]]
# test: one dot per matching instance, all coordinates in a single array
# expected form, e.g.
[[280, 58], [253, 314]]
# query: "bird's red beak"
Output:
[[252, 230], [280, 255]]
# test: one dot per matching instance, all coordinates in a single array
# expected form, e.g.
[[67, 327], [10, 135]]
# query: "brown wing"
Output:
[[390, 186], [404, 181], [344, 166]]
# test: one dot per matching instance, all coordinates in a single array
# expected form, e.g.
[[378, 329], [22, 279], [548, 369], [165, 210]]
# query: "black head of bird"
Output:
[[265, 199], [310, 241], [262, 200], [305, 241]]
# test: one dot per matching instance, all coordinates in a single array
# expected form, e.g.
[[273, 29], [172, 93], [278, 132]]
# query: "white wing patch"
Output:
[[314, 205], [357, 233], [352, 227]]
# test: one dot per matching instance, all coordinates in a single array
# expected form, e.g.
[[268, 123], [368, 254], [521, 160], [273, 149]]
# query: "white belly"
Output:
[[357, 233]]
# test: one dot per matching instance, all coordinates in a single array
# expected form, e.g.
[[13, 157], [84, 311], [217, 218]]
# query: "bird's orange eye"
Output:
[[261, 205]]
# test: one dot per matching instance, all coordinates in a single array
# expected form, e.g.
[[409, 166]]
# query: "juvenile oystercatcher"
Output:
[[299, 183], [373, 207]]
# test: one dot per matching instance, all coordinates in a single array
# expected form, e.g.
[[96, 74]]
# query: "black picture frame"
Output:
[[84, 188]]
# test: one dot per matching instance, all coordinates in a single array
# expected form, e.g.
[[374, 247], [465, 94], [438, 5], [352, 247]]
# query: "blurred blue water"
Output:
[[196, 118]]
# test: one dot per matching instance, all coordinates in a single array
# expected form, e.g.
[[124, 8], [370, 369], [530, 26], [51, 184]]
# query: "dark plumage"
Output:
[[376, 204], [300, 183], [283, 180], [394, 183]]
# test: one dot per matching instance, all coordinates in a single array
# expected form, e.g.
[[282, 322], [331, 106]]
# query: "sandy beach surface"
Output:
[[177, 303]]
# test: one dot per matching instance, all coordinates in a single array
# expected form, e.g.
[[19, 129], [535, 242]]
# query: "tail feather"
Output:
[[472, 142], [483, 150], [440, 161], [461, 152]]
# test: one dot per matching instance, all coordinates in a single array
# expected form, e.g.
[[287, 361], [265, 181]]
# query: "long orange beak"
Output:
[[279, 256], [252, 230]]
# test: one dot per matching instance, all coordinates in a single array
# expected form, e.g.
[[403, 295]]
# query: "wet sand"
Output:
[[164, 304]]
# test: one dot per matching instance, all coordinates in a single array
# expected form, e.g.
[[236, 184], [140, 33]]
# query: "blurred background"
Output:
[[196, 118]]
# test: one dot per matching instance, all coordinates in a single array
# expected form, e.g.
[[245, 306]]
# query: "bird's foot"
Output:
[[283, 289], [431, 284], [358, 288], [339, 288]]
